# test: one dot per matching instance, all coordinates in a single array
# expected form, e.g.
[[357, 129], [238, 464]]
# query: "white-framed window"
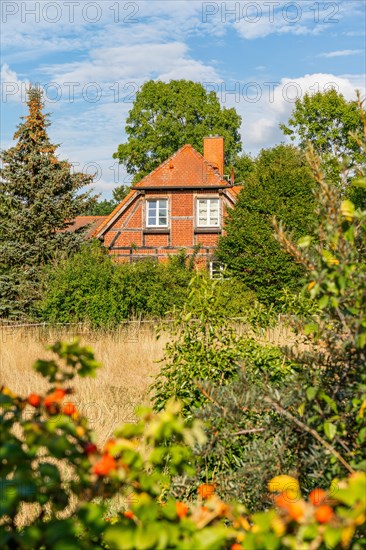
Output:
[[208, 212], [217, 270], [157, 213]]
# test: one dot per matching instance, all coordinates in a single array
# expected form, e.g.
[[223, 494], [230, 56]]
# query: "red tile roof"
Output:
[[90, 223], [234, 191], [186, 168]]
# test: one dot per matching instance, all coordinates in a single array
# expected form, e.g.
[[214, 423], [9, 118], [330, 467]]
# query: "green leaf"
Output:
[[304, 242], [323, 302], [310, 328], [359, 182], [311, 392], [119, 538], [145, 538], [330, 430], [332, 536]]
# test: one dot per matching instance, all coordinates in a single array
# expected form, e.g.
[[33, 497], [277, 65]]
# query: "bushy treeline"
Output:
[[90, 287]]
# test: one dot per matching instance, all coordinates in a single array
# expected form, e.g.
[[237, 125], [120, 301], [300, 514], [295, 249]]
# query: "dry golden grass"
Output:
[[129, 365]]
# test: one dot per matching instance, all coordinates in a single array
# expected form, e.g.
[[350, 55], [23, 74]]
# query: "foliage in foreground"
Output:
[[206, 345], [48, 459], [313, 423], [300, 409]]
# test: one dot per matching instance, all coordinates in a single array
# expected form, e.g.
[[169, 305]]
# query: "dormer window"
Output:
[[208, 213], [157, 213]]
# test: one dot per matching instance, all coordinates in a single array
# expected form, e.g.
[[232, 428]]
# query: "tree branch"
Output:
[[312, 432]]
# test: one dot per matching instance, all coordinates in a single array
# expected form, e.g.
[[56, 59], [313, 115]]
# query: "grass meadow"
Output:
[[129, 362], [129, 357]]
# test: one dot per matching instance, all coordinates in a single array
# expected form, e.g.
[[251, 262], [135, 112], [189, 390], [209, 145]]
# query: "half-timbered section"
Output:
[[180, 205]]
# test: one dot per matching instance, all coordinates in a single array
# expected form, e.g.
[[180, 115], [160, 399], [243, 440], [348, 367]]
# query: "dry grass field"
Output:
[[129, 364]]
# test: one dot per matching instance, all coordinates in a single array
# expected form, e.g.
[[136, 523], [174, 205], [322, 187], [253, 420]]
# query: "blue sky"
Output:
[[91, 58]]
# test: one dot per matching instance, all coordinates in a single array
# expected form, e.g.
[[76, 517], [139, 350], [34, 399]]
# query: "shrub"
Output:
[[204, 346], [90, 287]]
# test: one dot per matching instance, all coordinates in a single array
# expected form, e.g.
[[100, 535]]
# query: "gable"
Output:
[[186, 168]]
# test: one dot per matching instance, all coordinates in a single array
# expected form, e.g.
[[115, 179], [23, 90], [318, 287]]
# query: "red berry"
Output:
[[69, 409], [90, 448], [104, 465], [34, 399]]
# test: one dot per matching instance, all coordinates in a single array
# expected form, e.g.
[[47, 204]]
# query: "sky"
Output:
[[90, 59]]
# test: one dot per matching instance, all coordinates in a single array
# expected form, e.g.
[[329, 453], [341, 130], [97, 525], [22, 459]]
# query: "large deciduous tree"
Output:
[[280, 185], [329, 123], [38, 195], [165, 116]]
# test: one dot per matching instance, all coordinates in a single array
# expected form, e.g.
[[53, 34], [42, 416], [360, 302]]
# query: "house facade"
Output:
[[179, 205]]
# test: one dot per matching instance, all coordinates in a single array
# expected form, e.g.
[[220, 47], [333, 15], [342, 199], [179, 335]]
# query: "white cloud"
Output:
[[12, 87], [261, 118], [340, 53], [125, 67]]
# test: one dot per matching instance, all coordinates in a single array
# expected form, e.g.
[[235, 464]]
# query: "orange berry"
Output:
[[236, 546], [54, 397], [106, 464], [296, 510], [69, 409], [128, 514], [317, 496], [59, 394], [182, 509], [324, 513], [34, 400], [206, 491], [49, 400], [281, 501]]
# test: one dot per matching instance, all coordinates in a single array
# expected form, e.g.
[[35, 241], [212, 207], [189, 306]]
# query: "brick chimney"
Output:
[[213, 152]]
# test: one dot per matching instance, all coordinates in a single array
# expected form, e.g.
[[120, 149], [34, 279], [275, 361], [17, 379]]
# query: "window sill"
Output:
[[214, 229]]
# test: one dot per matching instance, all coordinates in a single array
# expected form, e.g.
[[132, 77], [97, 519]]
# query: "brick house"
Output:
[[179, 205]]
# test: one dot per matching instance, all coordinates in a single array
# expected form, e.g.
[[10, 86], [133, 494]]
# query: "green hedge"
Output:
[[90, 287]]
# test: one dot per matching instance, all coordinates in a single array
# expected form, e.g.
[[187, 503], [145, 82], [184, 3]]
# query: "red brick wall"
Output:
[[130, 228]]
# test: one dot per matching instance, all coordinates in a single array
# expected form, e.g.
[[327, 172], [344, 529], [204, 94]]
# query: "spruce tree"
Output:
[[39, 195]]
